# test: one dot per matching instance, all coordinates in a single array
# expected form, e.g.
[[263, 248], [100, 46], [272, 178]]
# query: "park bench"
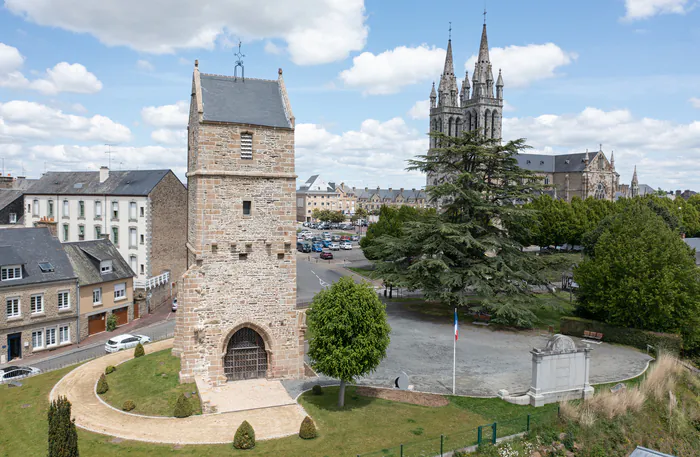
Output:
[[592, 335], [482, 318]]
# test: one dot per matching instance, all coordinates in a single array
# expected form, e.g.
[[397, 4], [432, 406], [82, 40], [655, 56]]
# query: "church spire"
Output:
[[448, 88], [499, 86], [433, 96], [634, 176], [484, 48], [464, 95]]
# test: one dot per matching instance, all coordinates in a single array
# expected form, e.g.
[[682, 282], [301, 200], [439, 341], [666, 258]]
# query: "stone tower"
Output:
[[477, 108], [237, 316], [634, 188]]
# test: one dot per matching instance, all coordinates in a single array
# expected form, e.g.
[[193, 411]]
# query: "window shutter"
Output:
[[246, 146]]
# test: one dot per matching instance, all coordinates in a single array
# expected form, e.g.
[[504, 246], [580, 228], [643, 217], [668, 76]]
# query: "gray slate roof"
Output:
[[35, 245], [8, 196], [694, 243], [536, 162], [10, 256], [85, 256], [129, 182], [644, 452], [392, 195], [564, 163], [243, 101]]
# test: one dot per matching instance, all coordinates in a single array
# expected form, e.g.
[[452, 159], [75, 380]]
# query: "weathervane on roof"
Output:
[[239, 63]]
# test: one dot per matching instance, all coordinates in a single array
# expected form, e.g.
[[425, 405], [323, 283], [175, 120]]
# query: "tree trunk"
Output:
[[341, 394]]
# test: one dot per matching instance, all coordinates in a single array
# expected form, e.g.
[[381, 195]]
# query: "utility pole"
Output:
[[109, 155]]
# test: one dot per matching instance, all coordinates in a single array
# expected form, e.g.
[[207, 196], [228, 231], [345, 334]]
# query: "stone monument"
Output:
[[237, 316]]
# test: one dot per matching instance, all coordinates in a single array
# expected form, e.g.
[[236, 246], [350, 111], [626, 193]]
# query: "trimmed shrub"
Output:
[[139, 351], [459, 454], [102, 385], [128, 405], [307, 431], [317, 390], [245, 437], [575, 326], [111, 322], [63, 437], [110, 369], [183, 408]]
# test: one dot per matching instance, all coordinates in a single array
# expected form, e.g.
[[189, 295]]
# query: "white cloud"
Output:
[[669, 152], [315, 31], [523, 65], [389, 71], [10, 62], [644, 9], [169, 136], [21, 121], [144, 65], [375, 155], [167, 116], [272, 48], [420, 110], [78, 108], [65, 77], [507, 107], [695, 101]]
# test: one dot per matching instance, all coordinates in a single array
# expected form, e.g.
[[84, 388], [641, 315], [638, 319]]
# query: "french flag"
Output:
[[456, 326]]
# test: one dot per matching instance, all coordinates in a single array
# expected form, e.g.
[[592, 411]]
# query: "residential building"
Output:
[[11, 199], [319, 194], [105, 285], [374, 199], [143, 212], [38, 292], [237, 316]]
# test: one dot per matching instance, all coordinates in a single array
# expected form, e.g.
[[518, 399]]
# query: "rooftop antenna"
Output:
[[109, 154], [3, 166], [239, 63]]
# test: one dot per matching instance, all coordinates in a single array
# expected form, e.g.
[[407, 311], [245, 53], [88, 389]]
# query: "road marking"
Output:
[[321, 281]]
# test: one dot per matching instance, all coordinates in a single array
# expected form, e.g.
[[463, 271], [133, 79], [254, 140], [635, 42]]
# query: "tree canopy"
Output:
[[327, 215], [350, 331], [391, 222]]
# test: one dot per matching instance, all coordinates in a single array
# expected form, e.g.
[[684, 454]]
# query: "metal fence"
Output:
[[445, 444]]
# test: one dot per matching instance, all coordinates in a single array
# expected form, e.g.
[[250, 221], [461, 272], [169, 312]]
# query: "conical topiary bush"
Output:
[[139, 351], [307, 431], [183, 408], [245, 437], [102, 385]]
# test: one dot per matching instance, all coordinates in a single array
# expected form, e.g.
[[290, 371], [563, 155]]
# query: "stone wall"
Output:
[[168, 251]]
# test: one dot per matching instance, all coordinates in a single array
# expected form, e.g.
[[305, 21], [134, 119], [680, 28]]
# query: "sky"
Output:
[[85, 83]]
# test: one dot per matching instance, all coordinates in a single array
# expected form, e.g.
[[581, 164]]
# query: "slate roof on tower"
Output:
[[243, 101], [132, 182]]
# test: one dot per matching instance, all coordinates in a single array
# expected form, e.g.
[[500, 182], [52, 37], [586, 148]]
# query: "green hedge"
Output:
[[575, 326]]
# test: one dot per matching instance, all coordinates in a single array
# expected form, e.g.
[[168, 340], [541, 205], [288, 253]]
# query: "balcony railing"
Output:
[[153, 282]]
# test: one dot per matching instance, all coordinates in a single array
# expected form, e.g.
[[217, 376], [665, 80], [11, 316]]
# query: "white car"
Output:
[[174, 307], [125, 341], [334, 247], [13, 373], [346, 245]]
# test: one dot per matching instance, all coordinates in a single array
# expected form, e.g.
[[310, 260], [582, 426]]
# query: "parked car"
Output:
[[335, 247], [326, 255], [355, 238], [13, 373], [303, 246], [344, 238], [317, 247], [326, 243], [335, 238], [346, 245], [174, 307], [125, 341]]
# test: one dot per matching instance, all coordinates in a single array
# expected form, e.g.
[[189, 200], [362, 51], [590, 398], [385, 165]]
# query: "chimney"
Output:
[[414, 189], [104, 174], [353, 188], [49, 224], [678, 193], [390, 189], [402, 190], [366, 189]]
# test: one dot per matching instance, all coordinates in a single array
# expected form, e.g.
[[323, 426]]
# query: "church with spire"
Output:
[[478, 106]]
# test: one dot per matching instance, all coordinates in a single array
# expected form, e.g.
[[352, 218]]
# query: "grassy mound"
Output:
[[152, 383]]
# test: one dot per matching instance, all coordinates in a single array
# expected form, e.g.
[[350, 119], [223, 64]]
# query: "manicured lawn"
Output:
[[364, 426], [366, 272], [152, 383]]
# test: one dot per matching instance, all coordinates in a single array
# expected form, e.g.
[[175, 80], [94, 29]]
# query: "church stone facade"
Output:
[[237, 316]]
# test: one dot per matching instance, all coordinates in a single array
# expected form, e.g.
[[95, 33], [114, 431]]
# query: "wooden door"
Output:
[[136, 310], [97, 323], [122, 315]]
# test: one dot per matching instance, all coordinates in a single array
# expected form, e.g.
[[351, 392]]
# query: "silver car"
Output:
[[13, 373]]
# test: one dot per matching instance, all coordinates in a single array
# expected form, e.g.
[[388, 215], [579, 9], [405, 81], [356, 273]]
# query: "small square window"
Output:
[[280, 256], [247, 204], [243, 256]]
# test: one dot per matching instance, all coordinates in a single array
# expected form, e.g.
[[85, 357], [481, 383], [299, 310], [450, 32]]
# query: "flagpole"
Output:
[[454, 357]]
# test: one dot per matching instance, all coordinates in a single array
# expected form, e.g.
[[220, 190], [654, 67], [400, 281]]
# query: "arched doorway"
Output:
[[246, 357]]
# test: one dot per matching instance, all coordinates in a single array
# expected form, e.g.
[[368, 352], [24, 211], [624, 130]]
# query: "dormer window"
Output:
[[247, 146], [10, 272], [541, 162], [567, 162], [105, 267], [529, 162]]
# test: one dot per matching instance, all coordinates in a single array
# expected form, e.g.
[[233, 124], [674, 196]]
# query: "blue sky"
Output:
[[76, 75]]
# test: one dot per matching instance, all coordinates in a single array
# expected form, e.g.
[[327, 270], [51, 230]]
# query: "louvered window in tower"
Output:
[[246, 146]]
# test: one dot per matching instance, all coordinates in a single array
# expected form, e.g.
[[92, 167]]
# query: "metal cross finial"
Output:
[[450, 31], [484, 16], [239, 63]]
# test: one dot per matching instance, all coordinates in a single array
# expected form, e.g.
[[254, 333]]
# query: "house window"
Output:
[[142, 238], [247, 204], [63, 334], [105, 266], [142, 212], [98, 209], [132, 211], [132, 237], [36, 208], [63, 300], [10, 272], [13, 309], [115, 210], [36, 304], [50, 336], [133, 262], [81, 232], [81, 208], [120, 291], [38, 339], [546, 180], [246, 146], [13, 218], [50, 211], [143, 269], [65, 232], [115, 236], [98, 232], [97, 296], [66, 207]]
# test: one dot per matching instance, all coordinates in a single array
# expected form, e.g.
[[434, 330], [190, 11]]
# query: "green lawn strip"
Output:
[[364, 271], [152, 382]]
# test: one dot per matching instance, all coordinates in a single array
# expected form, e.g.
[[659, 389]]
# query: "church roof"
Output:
[[243, 101], [564, 163]]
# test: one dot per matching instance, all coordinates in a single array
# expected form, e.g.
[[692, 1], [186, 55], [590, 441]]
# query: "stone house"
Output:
[[374, 199], [105, 285], [316, 193], [237, 316], [38, 292], [143, 212]]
